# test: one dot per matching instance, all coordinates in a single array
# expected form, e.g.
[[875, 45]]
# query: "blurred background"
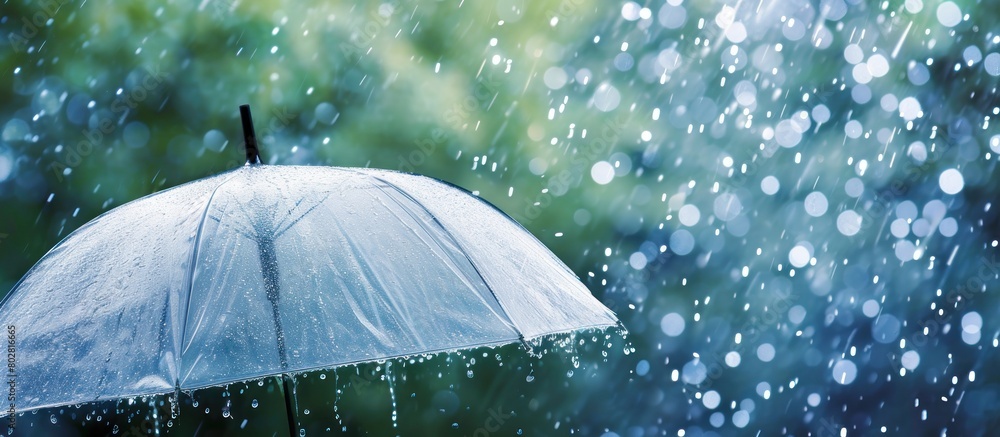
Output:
[[787, 203]]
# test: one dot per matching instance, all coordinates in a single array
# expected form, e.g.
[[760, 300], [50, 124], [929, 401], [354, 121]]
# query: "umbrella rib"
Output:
[[447, 257], [461, 249], [234, 228], [289, 226], [190, 277]]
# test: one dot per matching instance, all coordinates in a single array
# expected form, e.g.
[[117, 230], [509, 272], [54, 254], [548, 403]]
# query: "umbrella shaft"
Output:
[[269, 270]]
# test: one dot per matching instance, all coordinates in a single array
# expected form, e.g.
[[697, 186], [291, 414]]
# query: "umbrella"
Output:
[[266, 270]]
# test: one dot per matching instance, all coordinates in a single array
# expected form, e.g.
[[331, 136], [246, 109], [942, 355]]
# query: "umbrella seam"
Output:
[[74, 233], [190, 277], [531, 235], [491, 206], [465, 253]]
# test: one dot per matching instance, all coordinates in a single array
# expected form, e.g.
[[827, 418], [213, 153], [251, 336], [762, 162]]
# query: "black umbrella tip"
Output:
[[249, 137]]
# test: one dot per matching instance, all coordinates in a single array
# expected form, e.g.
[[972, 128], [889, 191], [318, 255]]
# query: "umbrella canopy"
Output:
[[265, 270]]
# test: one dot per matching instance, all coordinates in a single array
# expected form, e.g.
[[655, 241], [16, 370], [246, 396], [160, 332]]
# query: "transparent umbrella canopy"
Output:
[[267, 270]]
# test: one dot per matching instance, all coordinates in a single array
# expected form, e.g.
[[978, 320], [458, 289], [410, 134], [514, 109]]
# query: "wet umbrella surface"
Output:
[[265, 270]]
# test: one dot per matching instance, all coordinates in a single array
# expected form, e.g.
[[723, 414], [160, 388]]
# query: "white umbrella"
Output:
[[266, 270]]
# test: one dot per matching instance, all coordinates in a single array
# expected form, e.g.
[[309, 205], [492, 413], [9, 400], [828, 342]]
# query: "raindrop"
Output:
[[606, 97], [906, 210], [844, 372], [602, 172], [861, 73], [948, 14], [694, 372], [727, 207], [853, 129], [821, 114], [822, 37], [972, 322], [717, 419], [951, 181], [737, 32], [555, 78], [681, 242], [689, 215], [672, 324], [921, 228], [909, 109], [849, 223], [711, 399], [854, 187], [741, 418], [870, 308], [672, 16], [642, 368], [76, 109], [833, 10], [15, 130], [878, 66], [885, 329], [918, 74], [971, 337], [769, 185], [799, 256], [914, 6], [630, 11], [745, 92], [733, 359], [948, 227], [326, 113], [135, 134], [787, 134], [765, 352], [637, 260], [889, 103], [899, 228], [853, 54], [797, 314], [972, 55], [813, 399], [992, 64], [816, 204], [905, 250], [6, 166], [934, 210], [214, 140], [910, 360]]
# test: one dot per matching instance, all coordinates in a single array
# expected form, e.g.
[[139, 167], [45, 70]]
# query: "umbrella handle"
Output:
[[249, 137]]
